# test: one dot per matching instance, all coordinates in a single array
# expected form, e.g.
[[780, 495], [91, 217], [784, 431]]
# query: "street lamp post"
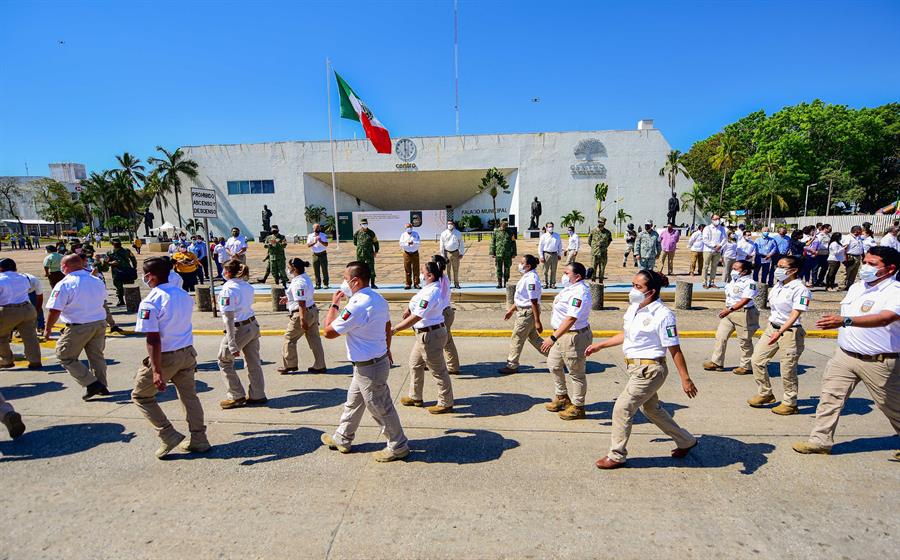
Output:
[[806, 200]]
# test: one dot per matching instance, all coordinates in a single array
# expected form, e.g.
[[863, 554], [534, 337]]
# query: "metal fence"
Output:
[[880, 222]]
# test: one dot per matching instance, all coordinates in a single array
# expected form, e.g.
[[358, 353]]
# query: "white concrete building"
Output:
[[434, 173]]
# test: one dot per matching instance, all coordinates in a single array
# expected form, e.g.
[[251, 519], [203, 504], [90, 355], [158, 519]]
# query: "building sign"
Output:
[[203, 203], [406, 166], [587, 152], [588, 169]]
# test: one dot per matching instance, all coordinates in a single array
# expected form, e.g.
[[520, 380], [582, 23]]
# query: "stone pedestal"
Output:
[[762, 296], [596, 296], [132, 298], [684, 294], [277, 294], [510, 294], [534, 233], [204, 297]]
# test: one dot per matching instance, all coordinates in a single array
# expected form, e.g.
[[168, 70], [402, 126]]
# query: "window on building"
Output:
[[264, 186]]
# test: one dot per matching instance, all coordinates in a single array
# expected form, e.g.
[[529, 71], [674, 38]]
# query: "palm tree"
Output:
[[169, 167], [97, 190], [723, 160], [132, 168], [330, 226], [493, 183], [621, 218], [600, 192], [696, 199], [573, 218], [766, 190], [157, 189], [194, 225], [314, 213], [122, 194], [673, 167]]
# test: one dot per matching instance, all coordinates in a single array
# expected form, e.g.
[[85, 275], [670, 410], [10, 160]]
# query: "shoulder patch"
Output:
[[423, 304], [752, 285], [55, 292], [671, 331], [224, 300], [345, 315], [531, 287], [576, 302], [804, 300], [145, 313]]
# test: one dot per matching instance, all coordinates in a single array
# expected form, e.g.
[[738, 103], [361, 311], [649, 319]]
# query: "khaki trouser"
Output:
[[451, 355], [369, 390], [247, 341], [550, 260], [110, 320], [453, 269], [569, 352], [295, 331], [851, 266], [523, 330], [710, 267], [696, 262], [570, 257], [791, 346], [429, 350], [242, 258], [320, 267], [644, 382], [21, 317], [744, 322], [90, 337], [5, 407], [842, 374], [411, 268], [667, 258], [726, 271], [177, 367]]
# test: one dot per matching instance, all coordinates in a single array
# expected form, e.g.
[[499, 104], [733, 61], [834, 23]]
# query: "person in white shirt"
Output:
[[695, 244], [36, 296], [409, 243], [164, 315], [17, 313], [855, 250], [452, 247], [425, 315], [739, 316], [451, 354], [868, 345], [236, 246], [649, 331], [304, 320], [746, 248], [527, 308], [573, 246], [889, 239], [836, 255], [221, 254], [318, 243], [713, 239], [566, 344], [788, 299], [241, 335], [549, 252], [78, 300], [366, 321], [729, 254]]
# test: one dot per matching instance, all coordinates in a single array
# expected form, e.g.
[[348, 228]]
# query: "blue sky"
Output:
[[131, 75]]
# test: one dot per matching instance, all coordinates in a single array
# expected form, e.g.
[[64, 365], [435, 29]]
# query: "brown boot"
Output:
[[759, 401], [711, 366], [572, 412], [409, 401], [741, 371], [559, 402]]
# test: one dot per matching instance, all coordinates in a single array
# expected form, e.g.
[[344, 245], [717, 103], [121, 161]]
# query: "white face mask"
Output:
[[423, 280], [450, 227], [364, 227], [636, 296], [550, 229], [781, 274], [145, 281], [868, 273], [345, 287], [522, 268], [409, 230], [735, 274], [565, 281], [715, 222]]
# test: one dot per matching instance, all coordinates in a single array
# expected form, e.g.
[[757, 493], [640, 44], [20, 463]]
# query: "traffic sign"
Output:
[[203, 202]]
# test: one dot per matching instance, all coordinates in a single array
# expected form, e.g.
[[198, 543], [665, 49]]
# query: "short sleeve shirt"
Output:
[[237, 296], [36, 286], [167, 310], [445, 292], [364, 320], [528, 288], [745, 249], [79, 297], [649, 331], [862, 299], [572, 301], [743, 287], [175, 279], [785, 298], [52, 262], [14, 288], [235, 244], [317, 238], [427, 305], [300, 290]]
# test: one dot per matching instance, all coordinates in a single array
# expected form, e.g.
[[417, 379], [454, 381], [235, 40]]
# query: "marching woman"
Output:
[[739, 316], [649, 330], [837, 254], [451, 355], [241, 336], [304, 321], [527, 309], [788, 299], [427, 319], [186, 265]]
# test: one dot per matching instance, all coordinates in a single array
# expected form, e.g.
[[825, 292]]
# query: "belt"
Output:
[[245, 322], [876, 358], [370, 362], [525, 308], [779, 327], [644, 361], [453, 250], [577, 331], [174, 351], [313, 306], [551, 253], [431, 328]]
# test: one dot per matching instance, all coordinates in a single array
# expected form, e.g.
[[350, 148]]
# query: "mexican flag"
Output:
[[352, 107]]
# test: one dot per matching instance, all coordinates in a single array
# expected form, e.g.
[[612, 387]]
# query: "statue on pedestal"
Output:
[[674, 206], [535, 214], [148, 222], [266, 219]]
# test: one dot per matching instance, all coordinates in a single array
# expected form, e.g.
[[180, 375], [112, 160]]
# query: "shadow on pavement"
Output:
[[494, 404], [482, 370], [775, 367], [862, 445], [304, 400], [602, 410], [460, 447], [58, 441], [262, 447], [853, 405], [124, 396], [25, 390], [712, 452]]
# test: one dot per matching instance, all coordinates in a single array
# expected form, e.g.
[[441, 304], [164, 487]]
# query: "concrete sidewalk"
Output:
[[499, 478]]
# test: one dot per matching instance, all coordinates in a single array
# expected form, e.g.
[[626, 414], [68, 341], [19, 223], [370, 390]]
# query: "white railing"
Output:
[[880, 222]]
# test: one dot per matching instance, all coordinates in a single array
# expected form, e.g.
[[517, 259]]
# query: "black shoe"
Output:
[[117, 329], [374, 287], [13, 422], [261, 401], [35, 367], [120, 303], [499, 285], [320, 287], [94, 389]]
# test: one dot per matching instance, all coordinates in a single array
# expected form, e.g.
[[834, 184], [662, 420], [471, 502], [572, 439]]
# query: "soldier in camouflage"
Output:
[[503, 249], [366, 247], [599, 240], [275, 244]]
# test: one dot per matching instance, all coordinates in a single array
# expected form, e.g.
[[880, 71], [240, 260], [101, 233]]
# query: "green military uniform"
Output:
[[124, 271], [88, 250], [503, 249], [647, 247], [366, 248], [599, 240], [275, 244]]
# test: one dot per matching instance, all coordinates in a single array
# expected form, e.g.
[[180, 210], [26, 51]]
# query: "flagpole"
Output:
[[337, 237], [456, 60]]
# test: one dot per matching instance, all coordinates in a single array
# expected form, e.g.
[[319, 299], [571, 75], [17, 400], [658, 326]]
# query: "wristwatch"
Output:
[[553, 338], [333, 306], [848, 321]]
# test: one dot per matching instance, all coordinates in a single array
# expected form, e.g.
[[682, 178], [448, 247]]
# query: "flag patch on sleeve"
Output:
[[671, 331], [145, 314], [54, 293], [576, 302], [530, 287], [299, 293], [423, 304], [804, 300], [225, 301], [345, 315]]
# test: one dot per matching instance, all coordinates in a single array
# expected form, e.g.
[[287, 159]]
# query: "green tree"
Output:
[[194, 225], [493, 183], [158, 190], [621, 218], [724, 160], [673, 167], [573, 218], [119, 224], [695, 199], [170, 167], [132, 168], [768, 185], [330, 226], [601, 190], [11, 193], [96, 190], [314, 213], [54, 202]]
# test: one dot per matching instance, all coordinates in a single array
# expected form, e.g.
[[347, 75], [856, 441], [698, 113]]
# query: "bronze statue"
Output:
[[673, 209], [266, 219], [535, 214]]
